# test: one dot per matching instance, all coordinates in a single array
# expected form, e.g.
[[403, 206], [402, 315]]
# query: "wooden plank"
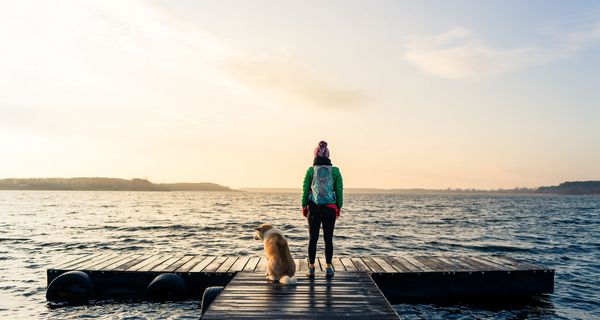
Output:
[[227, 264], [461, 265], [348, 264], [200, 267], [418, 264], [384, 265], [148, 267], [252, 263], [90, 264], [142, 264], [297, 263], [215, 264], [512, 265], [129, 258], [186, 267], [178, 263], [445, 266], [360, 265], [477, 266], [75, 261], [490, 265], [239, 264], [401, 262], [397, 265], [303, 265], [432, 263], [501, 264], [372, 264], [116, 260], [320, 264], [124, 266], [167, 263], [262, 265], [337, 264]]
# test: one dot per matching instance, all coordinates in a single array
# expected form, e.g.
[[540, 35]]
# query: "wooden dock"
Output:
[[350, 295], [398, 277]]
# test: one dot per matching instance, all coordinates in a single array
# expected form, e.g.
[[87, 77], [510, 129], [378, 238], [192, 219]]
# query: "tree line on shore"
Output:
[[104, 184]]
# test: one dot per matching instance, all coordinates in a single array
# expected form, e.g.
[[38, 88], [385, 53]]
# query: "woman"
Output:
[[322, 199]]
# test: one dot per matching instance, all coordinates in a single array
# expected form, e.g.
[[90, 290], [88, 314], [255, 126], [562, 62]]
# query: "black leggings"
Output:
[[315, 217]]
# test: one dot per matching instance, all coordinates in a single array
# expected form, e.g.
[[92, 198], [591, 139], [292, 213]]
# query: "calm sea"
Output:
[[38, 228]]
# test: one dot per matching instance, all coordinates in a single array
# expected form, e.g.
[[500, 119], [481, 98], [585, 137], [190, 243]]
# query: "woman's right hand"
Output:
[[305, 211]]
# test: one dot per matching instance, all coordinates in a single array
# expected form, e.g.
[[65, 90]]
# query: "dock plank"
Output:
[[148, 267], [303, 265], [402, 263], [348, 264], [337, 264], [239, 264], [142, 264], [178, 263], [384, 265], [167, 263], [360, 265], [89, 265], [186, 267], [418, 264], [115, 260], [224, 267], [262, 265], [201, 267], [215, 264], [252, 263], [76, 261], [372, 264]]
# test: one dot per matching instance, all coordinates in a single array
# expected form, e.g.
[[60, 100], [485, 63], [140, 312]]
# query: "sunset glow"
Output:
[[407, 94]]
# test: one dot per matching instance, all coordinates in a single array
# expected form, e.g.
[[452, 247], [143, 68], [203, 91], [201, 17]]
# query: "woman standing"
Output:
[[322, 199]]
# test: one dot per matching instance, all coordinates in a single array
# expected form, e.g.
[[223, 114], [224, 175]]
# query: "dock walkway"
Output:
[[349, 295], [398, 277]]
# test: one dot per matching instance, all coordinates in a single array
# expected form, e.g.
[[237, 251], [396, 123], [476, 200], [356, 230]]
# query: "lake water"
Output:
[[38, 228]]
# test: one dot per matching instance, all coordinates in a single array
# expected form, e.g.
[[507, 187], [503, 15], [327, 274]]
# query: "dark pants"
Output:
[[317, 216]]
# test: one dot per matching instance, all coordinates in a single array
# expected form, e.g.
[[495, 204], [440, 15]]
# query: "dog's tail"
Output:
[[288, 280]]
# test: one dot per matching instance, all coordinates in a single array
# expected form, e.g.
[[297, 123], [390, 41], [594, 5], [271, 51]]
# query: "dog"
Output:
[[280, 264]]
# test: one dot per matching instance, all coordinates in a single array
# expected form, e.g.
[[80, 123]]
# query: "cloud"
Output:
[[460, 54], [291, 82]]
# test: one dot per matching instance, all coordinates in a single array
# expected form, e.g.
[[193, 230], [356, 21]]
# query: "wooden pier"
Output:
[[398, 277], [350, 295]]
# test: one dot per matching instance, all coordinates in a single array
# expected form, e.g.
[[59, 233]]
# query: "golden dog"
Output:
[[280, 264]]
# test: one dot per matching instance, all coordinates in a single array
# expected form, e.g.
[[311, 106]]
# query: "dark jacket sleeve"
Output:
[[306, 186]]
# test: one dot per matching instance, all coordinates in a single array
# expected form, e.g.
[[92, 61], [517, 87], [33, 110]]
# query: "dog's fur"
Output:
[[280, 264]]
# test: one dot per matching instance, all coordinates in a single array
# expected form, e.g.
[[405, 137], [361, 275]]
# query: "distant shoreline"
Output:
[[104, 184], [117, 184], [565, 188]]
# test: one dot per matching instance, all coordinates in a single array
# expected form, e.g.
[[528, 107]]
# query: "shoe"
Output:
[[329, 272], [310, 273]]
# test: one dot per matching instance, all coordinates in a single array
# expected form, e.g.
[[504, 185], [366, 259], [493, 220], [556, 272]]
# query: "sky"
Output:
[[408, 94]]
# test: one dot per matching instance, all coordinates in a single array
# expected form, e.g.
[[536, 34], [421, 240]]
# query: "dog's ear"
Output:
[[258, 229]]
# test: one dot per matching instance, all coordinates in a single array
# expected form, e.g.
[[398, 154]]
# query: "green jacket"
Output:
[[338, 186]]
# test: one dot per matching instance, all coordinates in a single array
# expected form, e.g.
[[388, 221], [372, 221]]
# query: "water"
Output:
[[39, 228]]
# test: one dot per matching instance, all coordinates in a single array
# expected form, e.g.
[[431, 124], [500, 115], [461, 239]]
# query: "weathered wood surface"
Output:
[[349, 295], [190, 263]]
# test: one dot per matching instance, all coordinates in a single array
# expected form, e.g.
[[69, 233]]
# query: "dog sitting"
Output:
[[280, 264]]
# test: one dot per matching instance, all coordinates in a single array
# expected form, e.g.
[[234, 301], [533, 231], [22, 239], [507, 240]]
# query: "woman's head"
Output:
[[321, 150]]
